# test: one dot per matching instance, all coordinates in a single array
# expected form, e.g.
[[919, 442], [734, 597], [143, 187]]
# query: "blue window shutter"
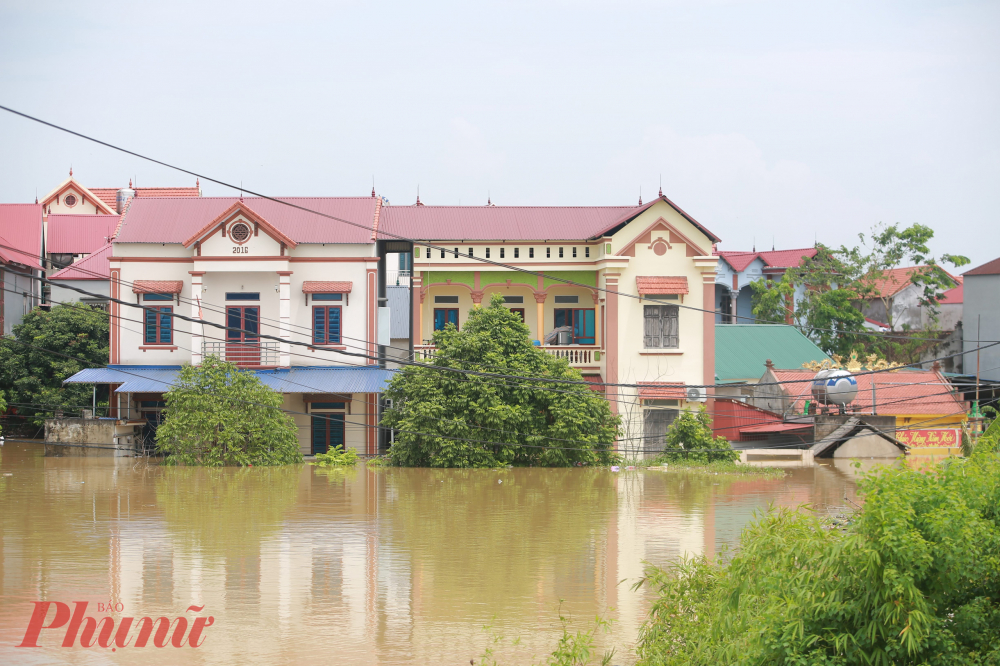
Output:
[[150, 326], [166, 327], [234, 319], [319, 429], [319, 326], [334, 335], [336, 425]]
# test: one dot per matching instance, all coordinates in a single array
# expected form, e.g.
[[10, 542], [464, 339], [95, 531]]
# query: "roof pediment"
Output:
[[662, 231], [240, 209], [88, 196]]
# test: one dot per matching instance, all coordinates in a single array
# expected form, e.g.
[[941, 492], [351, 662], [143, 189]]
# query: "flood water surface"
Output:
[[304, 565]]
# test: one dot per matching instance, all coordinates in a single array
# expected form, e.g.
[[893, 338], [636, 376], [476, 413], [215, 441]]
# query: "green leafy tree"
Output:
[[448, 419], [912, 578], [32, 378], [837, 283], [691, 432], [218, 415]]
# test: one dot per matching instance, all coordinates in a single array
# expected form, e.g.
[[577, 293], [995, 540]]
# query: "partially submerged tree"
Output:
[[31, 376], [691, 438], [834, 286], [218, 415], [448, 419]]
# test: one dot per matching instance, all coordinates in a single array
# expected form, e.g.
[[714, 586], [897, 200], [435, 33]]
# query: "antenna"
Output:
[[754, 243], [772, 242], [241, 190], [640, 195], [661, 184], [373, 186]]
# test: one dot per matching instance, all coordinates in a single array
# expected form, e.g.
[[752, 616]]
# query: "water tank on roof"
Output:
[[124, 195], [834, 387]]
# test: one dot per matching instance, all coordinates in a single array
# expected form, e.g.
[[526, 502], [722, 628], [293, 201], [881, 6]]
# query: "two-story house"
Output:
[[625, 294], [286, 293], [737, 270]]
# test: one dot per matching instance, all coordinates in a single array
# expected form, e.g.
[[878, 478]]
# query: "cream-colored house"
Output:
[[632, 287], [286, 293]]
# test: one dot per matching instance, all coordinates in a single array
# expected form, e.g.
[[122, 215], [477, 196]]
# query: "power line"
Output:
[[403, 238]]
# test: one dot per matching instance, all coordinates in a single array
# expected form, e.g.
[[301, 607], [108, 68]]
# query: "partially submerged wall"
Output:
[[80, 437]]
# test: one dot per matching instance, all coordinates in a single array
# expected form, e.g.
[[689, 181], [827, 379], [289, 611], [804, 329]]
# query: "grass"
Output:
[[727, 467]]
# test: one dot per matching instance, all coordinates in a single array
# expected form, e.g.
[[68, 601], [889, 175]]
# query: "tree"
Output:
[[692, 431], [911, 578], [834, 285], [218, 415], [448, 419], [32, 377]]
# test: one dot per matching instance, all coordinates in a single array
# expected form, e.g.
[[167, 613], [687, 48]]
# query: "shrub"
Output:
[[690, 438], [337, 457]]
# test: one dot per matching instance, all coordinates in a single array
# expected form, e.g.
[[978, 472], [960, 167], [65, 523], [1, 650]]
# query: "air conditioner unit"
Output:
[[695, 394]]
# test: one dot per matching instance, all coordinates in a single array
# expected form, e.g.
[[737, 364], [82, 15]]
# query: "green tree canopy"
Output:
[[912, 578], [692, 431], [448, 419], [218, 415], [836, 282], [32, 378]]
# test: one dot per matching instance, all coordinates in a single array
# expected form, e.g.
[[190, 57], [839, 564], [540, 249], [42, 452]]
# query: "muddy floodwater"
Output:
[[303, 565]]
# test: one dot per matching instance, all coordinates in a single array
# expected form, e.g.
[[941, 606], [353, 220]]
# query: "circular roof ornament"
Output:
[[239, 232], [70, 200]]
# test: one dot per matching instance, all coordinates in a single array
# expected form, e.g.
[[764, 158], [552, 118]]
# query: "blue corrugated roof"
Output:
[[399, 312], [158, 379]]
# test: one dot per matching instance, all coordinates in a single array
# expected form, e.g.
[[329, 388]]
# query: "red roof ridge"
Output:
[[378, 209]]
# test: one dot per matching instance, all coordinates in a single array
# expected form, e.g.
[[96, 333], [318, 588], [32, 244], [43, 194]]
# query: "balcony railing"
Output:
[[244, 354], [398, 277], [574, 355]]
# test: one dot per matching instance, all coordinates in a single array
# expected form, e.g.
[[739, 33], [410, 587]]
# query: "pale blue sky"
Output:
[[784, 119]]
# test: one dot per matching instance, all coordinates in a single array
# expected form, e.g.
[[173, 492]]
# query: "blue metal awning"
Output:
[[159, 379]]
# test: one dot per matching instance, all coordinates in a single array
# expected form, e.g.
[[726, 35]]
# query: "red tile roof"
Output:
[[902, 392], [772, 259], [93, 267], [595, 381], [662, 284], [989, 268], [174, 220], [953, 296], [739, 260], [21, 233], [343, 287], [897, 279], [109, 195], [79, 234], [514, 223], [662, 391], [157, 286]]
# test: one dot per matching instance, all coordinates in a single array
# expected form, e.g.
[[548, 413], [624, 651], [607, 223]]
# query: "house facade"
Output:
[[631, 289], [287, 294], [20, 262], [737, 270], [982, 321]]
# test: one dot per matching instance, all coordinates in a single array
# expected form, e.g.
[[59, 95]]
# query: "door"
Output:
[[243, 344], [327, 432], [445, 316]]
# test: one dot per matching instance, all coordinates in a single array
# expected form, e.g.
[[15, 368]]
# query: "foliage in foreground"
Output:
[[218, 415], [449, 419], [32, 379], [690, 438], [913, 579], [337, 457]]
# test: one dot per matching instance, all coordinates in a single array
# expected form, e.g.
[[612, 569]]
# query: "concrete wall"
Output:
[[982, 310], [78, 432], [15, 303], [868, 446], [61, 294]]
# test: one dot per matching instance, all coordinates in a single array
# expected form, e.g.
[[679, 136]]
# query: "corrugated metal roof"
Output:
[[21, 233], [175, 220], [953, 296], [510, 223], [359, 379], [79, 234], [741, 350], [399, 311], [773, 258], [158, 379], [902, 392], [109, 195], [94, 267]]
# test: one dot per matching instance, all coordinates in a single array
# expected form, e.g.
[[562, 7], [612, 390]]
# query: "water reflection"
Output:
[[301, 564]]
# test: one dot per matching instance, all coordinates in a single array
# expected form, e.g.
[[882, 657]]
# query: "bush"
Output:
[[337, 457], [913, 578], [690, 438], [218, 415], [450, 419]]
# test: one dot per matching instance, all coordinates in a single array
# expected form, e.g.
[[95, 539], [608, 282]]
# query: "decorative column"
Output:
[[477, 299], [708, 332], [611, 335], [285, 318], [416, 284], [197, 328], [597, 318], [115, 341], [371, 334], [540, 322]]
